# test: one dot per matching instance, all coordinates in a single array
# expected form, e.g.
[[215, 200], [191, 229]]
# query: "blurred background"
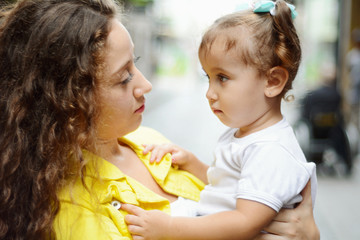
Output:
[[324, 112]]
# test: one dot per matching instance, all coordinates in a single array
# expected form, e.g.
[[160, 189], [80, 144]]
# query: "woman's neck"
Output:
[[107, 149]]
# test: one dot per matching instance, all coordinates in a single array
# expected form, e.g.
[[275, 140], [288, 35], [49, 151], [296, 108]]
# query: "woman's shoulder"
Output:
[[146, 135]]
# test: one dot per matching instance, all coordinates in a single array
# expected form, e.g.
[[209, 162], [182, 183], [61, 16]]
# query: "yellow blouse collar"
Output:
[[108, 171]]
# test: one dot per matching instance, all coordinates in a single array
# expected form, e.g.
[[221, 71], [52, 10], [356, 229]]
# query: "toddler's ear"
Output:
[[277, 78]]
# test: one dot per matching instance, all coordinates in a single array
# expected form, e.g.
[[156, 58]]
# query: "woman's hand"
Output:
[[294, 224]]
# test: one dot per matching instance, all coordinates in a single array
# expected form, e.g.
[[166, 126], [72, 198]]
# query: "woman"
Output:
[[70, 94]]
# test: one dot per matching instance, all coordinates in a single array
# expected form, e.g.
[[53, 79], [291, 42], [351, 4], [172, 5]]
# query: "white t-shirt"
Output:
[[184, 207], [267, 166]]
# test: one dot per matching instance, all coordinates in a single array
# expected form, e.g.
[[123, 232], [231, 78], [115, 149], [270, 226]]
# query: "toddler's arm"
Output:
[[289, 224], [294, 224], [243, 223], [186, 160]]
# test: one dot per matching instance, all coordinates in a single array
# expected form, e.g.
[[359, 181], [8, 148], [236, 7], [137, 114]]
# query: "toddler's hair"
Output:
[[270, 40]]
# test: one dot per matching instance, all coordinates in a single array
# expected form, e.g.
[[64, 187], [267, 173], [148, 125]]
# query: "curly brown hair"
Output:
[[271, 41], [49, 59]]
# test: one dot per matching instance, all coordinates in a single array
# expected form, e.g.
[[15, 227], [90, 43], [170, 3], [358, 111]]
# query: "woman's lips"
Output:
[[140, 109]]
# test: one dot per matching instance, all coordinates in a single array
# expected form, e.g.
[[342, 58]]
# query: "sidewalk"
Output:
[[182, 114]]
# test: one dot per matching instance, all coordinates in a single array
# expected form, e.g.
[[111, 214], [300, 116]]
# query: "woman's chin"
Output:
[[136, 124]]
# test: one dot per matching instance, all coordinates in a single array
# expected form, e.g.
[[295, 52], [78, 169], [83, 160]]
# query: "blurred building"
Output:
[[349, 20], [139, 20]]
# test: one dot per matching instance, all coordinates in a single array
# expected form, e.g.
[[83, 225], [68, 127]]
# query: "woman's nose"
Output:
[[144, 86]]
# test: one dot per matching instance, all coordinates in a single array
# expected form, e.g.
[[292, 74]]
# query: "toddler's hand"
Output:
[[179, 156], [146, 225]]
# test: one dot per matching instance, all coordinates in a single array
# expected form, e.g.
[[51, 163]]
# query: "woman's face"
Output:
[[122, 87]]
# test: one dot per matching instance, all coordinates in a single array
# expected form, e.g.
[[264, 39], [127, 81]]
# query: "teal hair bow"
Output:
[[269, 6]]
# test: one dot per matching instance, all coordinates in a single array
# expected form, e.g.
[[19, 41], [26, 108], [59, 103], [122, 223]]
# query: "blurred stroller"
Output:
[[321, 128]]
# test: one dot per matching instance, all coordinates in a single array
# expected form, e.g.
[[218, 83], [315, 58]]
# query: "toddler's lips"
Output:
[[216, 110]]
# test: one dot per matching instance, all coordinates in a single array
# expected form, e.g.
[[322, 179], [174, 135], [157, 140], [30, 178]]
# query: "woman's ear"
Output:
[[277, 78]]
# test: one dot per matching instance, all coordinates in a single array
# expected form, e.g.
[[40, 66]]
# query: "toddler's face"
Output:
[[236, 91]]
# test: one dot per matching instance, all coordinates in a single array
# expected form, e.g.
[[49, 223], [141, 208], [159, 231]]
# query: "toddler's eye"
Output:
[[136, 59], [222, 78]]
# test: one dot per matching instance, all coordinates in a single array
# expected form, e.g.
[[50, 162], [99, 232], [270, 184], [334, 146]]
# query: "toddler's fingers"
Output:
[[158, 153], [148, 148], [176, 156], [135, 230], [133, 220], [161, 155], [137, 237], [132, 209]]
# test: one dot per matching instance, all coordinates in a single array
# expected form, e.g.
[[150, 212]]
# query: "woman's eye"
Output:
[[127, 79]]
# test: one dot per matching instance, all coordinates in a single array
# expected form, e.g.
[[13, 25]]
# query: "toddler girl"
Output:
[[251, 58]]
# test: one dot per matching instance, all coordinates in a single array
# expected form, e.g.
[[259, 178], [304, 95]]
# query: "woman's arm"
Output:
[[294, 224]]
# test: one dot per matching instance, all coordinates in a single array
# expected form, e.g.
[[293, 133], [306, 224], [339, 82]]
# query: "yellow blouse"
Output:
[[95, 216]]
